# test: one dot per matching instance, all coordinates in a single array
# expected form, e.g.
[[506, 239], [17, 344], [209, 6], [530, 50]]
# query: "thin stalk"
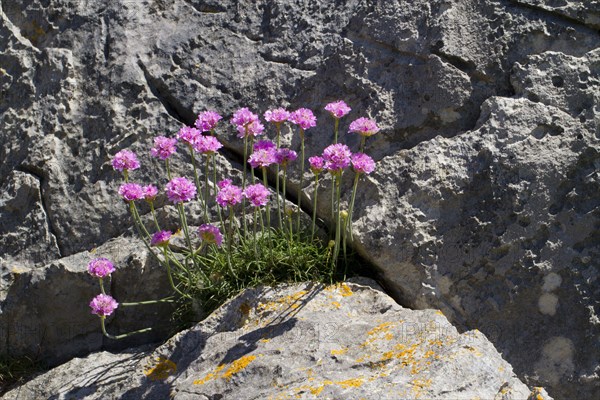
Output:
[[351, 208], [184, 225], [335, 130], [343, 233], [284, 197], [230, 241], [147, 302], [254, 232], [154, 215], [363, 140], [196, 179], [214, 163], [314, 216], [168, 168], [123, 336], [170, 275], [301, 180], [336, 249], [245, 161], [278, 126], [206, 189], [101, 286]]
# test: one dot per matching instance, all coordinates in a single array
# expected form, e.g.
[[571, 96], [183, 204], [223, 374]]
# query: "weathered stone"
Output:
[[302, 341], [45, 313]]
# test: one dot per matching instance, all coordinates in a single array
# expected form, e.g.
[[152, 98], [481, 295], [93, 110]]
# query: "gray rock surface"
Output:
[[487, 160], [300, 341]]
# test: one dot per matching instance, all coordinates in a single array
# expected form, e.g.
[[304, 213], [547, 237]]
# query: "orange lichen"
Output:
[[238, 365], [384, 327], [351, 383], [210, 376], [338, 352], [289, 301], [336, 304], [161, 370], [345, 290]]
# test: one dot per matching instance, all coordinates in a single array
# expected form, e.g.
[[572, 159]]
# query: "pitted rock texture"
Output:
[[487, 160], [300, 341]]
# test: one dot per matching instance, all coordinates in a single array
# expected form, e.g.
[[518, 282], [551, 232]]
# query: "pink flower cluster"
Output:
[[317, 164], [163, 147], [125, 160], [180, 190], [262, 158], [131, 191], [364, 127], [337, 157], [207, 144], [100, 267], [362, 163], [189, 135], [210, 234], [229, 195], [277, 115], [161, 238], [285, 155], [103, 305], [338, 109], [207, 121], [150, 192], [304, 118], [257, 195]]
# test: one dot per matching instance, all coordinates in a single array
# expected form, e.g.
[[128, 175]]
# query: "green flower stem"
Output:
[[301, 180], [336, 249], [154, 215], [138, 221], [147, 302], [335, 130], [268, 209], [363, 140], [254, 217], [230, 241], [184, 225], [170, 275], [251, 146], [332, 224], [168, 167], [214, 165], [126, 175], [197, 180], [123, 336], [206, 189], [314, 216], [351, 208], [245, 161], [278, 126], [101, 281], [343, 233], [284, 200]]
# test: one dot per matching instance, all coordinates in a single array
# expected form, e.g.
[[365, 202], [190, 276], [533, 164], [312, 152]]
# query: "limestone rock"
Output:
[[302, 341]]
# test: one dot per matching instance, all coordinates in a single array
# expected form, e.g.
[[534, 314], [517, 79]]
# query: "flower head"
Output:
[[150, 192], [257, 194], [277, 115], [262, 158], [103, 305], [160, 238], [125, 160], [207, 145], [207, 121], [163, 147], [188, 134], [180, 190], [243, 117], [100, 267], [316, 164], [131, 191], [285, 155], [254, 128], [229, 195], [338, 108], [362, 163], [337, 157], [210, 234], [364, 127], [304, 118], [264, 145], [223, 183]]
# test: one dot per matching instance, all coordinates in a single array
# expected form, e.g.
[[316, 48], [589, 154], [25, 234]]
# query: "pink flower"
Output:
[[188, 134], [207, 121], [257, 194], [338, 109], [337, 157], [264, 145], [364, 127], [304, 118], [362, 163], [125, 160], [277, 115], [316, 164], [100, 267], [285, 155], [207, 145], [262, 158], [103, 305], [229, 195], [243, 117], [131, 191], [163, 147], [180, 190], [150, 192], [160, 238], [254, 128], [223, 183], [210, 234]]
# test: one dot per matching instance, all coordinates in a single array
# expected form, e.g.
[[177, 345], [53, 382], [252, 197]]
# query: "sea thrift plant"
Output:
[[223, 256]]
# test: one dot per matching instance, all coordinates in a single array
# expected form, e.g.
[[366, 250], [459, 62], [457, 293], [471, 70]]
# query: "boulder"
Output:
[[298, 341]]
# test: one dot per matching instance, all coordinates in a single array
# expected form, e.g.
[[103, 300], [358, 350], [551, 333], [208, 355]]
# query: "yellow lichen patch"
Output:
[[384, 327], [264, 340], [351, 383], [336, 304], [429, 353], [388, 355], [161, 370], [339, 352], [345, 290], [438, 312], [287, 301], [537, 391], [210, 376], [418, 385], [389, 336], [238, 365], [317, 390]]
